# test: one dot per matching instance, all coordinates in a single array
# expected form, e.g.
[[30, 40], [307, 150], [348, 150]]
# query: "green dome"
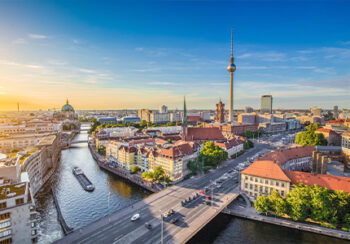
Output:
[[67, 107]]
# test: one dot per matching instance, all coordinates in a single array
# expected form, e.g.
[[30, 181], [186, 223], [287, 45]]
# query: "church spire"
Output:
[[184, 119], [67, 102]]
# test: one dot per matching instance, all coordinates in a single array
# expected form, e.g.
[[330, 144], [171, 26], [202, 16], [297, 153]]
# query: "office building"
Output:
[[266, 104], [248, 110]]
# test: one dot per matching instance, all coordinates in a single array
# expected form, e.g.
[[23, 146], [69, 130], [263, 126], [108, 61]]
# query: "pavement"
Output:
[[118, 228]]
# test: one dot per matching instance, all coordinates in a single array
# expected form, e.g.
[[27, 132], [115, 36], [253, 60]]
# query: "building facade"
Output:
[[266, 104]]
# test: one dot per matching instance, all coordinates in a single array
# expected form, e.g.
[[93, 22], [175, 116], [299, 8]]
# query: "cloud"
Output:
[[139, 49], [162, 83], [75, 41], [270, 56], [345, 43], [246, 55], [11, 63], [88, 71], [19, 41], [37, 36], [57, 62]]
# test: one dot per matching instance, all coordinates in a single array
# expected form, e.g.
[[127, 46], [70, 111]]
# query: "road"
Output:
[[118, 228]]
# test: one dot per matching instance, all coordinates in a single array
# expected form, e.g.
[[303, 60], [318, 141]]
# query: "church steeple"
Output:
[[184, 119], [184, 122], [67, 102]]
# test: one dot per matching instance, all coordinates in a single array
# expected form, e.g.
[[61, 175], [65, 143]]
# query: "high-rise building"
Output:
[[231, 68], [316, 111], [266, 104], [220, 112], [248, 110], [335, 111], [163, 109]]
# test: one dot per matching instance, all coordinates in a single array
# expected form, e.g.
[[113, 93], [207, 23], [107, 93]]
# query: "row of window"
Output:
[[4, 216], [265, 190], [5, 224], [272, 182], [7, 241], [5, 233]]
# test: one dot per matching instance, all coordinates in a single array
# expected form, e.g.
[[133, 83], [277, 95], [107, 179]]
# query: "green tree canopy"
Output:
[[212, 155], [134, 169], [262, 204], [309, 137]]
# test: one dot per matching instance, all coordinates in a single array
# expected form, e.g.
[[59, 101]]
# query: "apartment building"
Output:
[[17, 213]]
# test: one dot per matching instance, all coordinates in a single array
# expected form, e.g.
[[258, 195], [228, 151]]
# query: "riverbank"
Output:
[[134, 178], [251, 214]]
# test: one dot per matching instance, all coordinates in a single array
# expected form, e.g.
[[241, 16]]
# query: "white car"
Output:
[[135, 217]]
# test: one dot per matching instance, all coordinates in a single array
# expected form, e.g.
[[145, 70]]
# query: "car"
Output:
[[201, 192], [230, 171], [208, 197], [173, 220], [135, 217], [206, 202], [148, 225]]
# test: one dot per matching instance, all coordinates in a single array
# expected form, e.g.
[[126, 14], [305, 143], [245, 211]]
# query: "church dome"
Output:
[[67, 107]]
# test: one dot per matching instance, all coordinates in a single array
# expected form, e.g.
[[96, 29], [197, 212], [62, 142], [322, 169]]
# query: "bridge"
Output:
[[192, 217], [118, 228]]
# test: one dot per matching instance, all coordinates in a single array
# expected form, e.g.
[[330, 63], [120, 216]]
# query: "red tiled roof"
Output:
[[325, 130], [229, 144], [194, 118], [176, 151], [204, 134], [266, 169], [128, 149], [281, 156], [329, 181]]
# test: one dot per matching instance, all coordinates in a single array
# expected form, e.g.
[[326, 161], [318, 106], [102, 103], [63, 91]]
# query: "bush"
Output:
[[134, 169]]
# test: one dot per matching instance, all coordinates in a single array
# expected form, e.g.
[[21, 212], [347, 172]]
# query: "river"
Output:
[[80, 208]]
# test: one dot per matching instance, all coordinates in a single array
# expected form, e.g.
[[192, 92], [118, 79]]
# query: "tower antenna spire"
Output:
[[232, 41]]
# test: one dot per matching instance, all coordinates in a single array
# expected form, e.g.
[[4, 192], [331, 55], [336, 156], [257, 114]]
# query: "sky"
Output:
[[143, 54]]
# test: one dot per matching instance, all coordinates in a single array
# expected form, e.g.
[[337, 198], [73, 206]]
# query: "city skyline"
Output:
[[52, 51]]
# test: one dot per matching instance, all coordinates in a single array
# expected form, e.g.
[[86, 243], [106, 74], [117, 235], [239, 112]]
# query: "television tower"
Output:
[[231, 68]]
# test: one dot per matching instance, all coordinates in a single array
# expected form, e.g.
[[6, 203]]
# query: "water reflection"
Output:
[[79, 207]]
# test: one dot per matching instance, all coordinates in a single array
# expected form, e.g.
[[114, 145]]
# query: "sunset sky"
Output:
[[138, 54]]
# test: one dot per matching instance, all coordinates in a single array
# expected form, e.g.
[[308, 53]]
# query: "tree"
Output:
[[298, 202], [134, 169], [101, 150], [262, 204], [309, 137], [212, 155], [277, 203]]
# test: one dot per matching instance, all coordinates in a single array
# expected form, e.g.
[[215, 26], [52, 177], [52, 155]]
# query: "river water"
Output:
[[80, 208]]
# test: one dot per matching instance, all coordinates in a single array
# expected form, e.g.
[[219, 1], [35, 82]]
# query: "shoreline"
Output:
[[251, 214]]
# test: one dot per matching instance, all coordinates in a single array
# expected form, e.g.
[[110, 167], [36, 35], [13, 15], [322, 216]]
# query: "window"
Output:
[[266, 182], [261, 180], [282, 193], [4, 216], [251, 178], [19, 201], [33, 224], [5, 224], [33, 232], [7, 241], [5, 233], [3, 205], [251, 186], [256, 179], [271, 182], [261, 188], [246, 177], [282, 184], [277, 183], [246, 185]]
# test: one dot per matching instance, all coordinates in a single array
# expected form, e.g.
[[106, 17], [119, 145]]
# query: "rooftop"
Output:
[[14, 190], [47, 140], [281, 156], [331, 182], [266, 169], [213, 134]]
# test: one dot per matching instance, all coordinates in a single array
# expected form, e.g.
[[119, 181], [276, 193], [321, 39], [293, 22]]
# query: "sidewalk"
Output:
[[252, 214]]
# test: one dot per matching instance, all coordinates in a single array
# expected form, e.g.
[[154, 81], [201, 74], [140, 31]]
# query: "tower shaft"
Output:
[[230, 116]]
